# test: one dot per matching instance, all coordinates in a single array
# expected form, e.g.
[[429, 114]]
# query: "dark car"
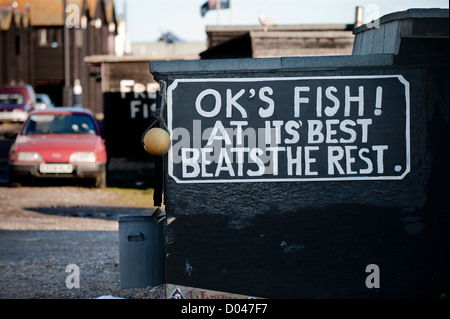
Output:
[[59, 143]]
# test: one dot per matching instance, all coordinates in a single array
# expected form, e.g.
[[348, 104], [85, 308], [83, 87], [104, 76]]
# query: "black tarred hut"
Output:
[[313, 177]]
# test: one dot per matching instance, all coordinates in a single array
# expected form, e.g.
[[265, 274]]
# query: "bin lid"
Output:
[[135, 218]]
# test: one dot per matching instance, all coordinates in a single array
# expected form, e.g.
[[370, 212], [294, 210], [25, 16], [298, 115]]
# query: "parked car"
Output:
[[16, 101], [58, 143], [13, 107], [43, 101]]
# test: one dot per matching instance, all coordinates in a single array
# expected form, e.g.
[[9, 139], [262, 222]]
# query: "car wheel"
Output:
[[100, 180], [14, 182]]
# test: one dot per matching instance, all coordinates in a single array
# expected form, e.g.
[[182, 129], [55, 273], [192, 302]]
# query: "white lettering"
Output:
[[218, 127], [332, 110], [294, 161], [380, 149], [217, 104], [134, 108], [298, 99], [309, 160], [190, 162], [224, 158], [314, 131], [254, 156], [289, 127], [335, 154], [271, 104], [232, 101], [358, 98]]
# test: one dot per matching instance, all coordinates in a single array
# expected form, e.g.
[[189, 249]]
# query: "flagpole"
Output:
[[232, 12], [218, 10]]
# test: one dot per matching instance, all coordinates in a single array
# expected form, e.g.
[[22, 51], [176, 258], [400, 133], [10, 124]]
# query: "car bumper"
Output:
[[79, 171], [13, 116]]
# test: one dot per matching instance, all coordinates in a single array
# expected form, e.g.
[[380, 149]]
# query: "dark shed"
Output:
[[339, 227]]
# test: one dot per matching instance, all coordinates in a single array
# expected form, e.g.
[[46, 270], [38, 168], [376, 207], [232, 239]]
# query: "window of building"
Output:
[[50, 37], [17, 45]]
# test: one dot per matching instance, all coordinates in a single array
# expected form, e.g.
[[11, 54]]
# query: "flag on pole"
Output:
[[212, 5]]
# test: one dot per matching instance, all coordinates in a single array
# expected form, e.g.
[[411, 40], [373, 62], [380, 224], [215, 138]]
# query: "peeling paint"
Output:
[[292, 248], [188, 268], [170, 220], [174, 291]]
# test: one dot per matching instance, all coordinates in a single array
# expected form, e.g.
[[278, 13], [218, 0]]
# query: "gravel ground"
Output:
[[45, 229]]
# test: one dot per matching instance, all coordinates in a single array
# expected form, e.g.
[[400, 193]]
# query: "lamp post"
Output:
[[67, 90]]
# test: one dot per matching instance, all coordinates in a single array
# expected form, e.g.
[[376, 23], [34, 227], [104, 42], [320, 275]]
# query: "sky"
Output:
[[148, 19]]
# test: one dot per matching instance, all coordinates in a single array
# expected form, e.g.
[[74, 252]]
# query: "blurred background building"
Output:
[[270, 41], [36, 48]]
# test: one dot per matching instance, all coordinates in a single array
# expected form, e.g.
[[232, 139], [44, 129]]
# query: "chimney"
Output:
[[358, 16]]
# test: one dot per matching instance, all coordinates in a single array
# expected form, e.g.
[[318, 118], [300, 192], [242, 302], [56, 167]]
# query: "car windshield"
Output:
[[43, 98], [60, 124], [11, 99]]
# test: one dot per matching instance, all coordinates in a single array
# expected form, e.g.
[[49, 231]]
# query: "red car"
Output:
[[58, 142]]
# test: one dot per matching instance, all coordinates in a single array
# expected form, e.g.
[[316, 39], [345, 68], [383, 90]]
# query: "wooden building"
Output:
[[91, 26], [278, 40], [129, 95], [15, 49]]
